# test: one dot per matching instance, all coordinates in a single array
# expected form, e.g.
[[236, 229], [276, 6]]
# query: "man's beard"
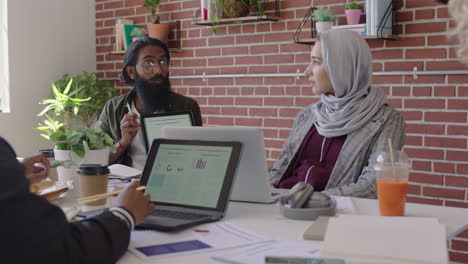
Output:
[[153, 96]]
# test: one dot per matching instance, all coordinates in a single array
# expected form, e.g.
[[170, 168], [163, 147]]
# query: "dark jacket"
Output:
[[34, 231], [116, 108]]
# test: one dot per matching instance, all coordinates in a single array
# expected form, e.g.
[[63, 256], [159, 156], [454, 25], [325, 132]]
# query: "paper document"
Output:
[[382, 239], [119, 170], [213, 236], [256, 253], [344, 205]]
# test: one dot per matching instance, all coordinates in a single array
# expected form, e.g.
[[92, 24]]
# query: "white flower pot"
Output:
[[323, 26], [65, 175]]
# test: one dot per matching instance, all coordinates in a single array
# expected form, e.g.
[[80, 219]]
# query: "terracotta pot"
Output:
[[158, 31], [323, 26], [353, 16]]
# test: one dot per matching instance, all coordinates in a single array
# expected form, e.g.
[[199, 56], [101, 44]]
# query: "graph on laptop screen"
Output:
[[188, 174]]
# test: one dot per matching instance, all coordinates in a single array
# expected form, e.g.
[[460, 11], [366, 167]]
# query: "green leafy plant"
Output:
[[153, 5], [353, 5], [323, 15], [138, 32], [80, 142], [259, 5], [61, 106], [88, 85], [220, 3]]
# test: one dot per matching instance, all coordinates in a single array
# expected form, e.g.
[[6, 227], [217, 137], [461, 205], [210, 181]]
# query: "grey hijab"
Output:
[[348, 62]]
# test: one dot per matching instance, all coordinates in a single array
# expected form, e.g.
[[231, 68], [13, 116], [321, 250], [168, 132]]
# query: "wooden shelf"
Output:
[[238, 20], [387, 37]]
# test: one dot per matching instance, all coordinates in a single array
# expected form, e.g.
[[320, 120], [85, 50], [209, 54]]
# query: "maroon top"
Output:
[[308, 163]]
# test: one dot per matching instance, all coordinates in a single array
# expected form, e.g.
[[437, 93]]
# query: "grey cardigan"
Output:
[[353, 174]]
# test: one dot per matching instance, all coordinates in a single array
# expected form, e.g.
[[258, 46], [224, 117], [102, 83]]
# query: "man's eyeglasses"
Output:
[[149, 65]]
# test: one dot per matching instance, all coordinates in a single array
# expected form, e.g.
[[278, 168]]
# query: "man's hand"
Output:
[[35, 173], [136, 202], [129, 127]]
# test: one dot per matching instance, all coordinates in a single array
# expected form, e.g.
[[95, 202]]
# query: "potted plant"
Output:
[[234, 8], [82, 97], [79, 146], [156, 30], [324, 19], [138, 33], [353, 13]]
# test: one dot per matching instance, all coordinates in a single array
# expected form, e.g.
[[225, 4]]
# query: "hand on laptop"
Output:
[[129, 127], [136, 202], [33, 171]]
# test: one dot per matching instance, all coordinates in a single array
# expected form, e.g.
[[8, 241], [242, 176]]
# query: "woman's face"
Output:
[[321, 83]]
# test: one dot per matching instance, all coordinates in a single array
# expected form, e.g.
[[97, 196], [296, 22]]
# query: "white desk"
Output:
[[266, 220]]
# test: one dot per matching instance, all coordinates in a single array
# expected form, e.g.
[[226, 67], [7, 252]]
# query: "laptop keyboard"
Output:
[[178, 215]]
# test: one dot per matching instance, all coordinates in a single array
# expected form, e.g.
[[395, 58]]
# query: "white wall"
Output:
[[47, 38]]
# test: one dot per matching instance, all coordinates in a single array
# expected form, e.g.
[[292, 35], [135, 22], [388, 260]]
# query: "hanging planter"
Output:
[[236, 8]]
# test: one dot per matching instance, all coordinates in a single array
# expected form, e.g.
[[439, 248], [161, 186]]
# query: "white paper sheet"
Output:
[[256, 253], [344, 205], [213, 236], [119, 170]]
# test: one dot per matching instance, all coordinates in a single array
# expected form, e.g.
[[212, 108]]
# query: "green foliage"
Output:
[[138, 32], [80, 142], [353, 5], [260, 5], [64, 101], [88, 85], [153, 5], [251, 3], [323, 15]]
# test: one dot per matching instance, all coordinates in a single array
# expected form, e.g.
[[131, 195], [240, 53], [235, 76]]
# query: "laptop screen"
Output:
[[191, 173], [152, 124]]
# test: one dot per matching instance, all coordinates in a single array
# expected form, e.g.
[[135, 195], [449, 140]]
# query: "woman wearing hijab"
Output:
[[459, 11], [334, 143]]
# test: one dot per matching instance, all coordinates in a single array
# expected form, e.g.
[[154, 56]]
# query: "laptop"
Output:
[[190, 181], [151, 124], [252, 184]]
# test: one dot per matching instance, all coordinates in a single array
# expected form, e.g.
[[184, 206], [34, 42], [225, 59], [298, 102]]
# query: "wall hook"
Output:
[[415, 73]]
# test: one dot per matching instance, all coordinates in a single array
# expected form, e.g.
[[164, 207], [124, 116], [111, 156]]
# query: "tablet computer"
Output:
[[152, 124]]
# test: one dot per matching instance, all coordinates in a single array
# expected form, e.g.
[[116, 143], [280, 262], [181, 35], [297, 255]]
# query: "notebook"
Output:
[[151, 124], [252, 184], [189, 181], [381, 239]]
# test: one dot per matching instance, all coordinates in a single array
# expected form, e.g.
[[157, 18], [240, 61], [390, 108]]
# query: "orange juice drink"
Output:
[[392, 183], [392, 196]]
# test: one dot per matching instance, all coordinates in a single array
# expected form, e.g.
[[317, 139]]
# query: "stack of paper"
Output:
[[378, 239]]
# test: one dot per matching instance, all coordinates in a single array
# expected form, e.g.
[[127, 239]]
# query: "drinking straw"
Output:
[[392, 157]]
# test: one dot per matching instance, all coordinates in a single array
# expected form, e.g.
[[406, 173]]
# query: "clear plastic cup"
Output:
[[392, 182]]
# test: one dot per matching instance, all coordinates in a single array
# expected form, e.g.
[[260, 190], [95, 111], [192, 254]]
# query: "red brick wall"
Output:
[[435, 107]]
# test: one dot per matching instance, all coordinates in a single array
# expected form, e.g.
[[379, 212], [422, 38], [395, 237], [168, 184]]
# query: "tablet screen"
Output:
[[153, 123]]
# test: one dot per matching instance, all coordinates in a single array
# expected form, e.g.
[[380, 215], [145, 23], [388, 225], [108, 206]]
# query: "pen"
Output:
[[201, 230]]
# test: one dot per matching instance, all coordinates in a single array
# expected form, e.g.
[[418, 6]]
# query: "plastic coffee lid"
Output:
[[92, 169], [399, 159], [48, 153]]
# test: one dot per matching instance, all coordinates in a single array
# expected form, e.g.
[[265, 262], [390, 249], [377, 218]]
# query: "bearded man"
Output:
[[146, 68]]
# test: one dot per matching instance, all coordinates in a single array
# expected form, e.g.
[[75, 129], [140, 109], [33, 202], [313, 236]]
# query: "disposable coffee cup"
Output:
[[93, 180], [49, 154], [392, 170]]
